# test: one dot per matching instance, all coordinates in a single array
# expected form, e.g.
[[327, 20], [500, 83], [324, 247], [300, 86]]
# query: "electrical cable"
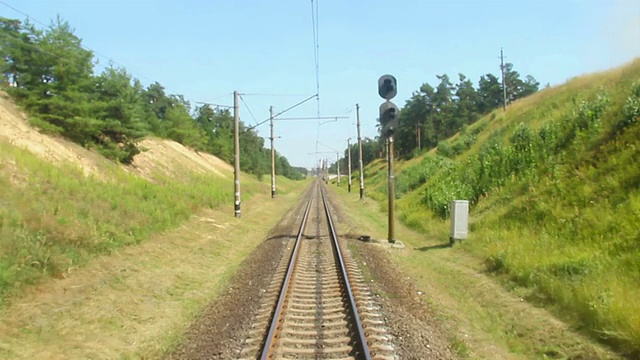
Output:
[[216, 98], [280, 113], [248, 109], [278, 95], [109, 59], [316, 60]]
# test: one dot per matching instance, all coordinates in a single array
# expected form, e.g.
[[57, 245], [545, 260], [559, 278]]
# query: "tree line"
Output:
[[51, 76], [433, 114]]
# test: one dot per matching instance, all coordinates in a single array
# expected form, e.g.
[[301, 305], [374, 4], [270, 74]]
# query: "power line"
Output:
[[334, 118], [248, 109], [280, 113], [216, 105], [8, 36], [23, 14], [278, 95], [316, 47], [316, 59], [109, 59], [216, 98]]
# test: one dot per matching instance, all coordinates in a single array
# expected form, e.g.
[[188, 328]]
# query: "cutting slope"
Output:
[[169, 158], [61, 204], [15, 129], [159, 156], [554, 184]]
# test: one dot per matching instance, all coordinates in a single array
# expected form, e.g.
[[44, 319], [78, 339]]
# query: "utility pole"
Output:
[[273, 156], [338, 166], [236, 157], [326, 171], [418, 130], [360, 165], [504, 83], [349, 164]]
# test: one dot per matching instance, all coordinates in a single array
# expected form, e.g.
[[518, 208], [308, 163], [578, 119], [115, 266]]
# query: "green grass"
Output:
[[555, 189], [53, 217]]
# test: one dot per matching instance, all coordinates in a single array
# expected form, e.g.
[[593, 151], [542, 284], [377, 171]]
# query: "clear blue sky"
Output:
[[206, 49]]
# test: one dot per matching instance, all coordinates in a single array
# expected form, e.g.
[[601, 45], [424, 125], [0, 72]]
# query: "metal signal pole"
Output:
[[349, 164], [387, 89], [236, 157], [360, 166], [392, 190], [273, 156]]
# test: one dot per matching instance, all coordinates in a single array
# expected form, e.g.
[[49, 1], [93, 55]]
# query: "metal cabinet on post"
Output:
[[459, 220]]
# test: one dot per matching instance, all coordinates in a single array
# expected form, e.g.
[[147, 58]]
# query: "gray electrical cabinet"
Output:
[[459, 220]]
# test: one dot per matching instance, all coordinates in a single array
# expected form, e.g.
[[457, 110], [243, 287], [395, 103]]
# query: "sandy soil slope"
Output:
[[159, 156]]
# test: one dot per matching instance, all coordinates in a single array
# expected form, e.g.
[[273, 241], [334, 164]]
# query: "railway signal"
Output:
[[388, 118], [389, 113], [387, 87]]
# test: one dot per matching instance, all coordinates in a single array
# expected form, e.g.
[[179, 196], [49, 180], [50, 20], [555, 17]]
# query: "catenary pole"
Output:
[[349, 164], [273, 156], [236, 155], [360, 165]]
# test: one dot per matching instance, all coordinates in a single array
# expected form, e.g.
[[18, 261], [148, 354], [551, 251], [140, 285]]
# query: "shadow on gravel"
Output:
[[434, 247]]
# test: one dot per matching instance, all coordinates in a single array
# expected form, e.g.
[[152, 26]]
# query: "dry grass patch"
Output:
[[137, 303]]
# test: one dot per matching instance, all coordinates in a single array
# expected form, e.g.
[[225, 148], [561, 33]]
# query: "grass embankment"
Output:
[[53, 217], [555, 188], [136, 303], [482, 319]]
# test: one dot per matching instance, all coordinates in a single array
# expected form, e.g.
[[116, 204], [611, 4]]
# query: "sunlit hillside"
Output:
[[554, 184], [62, 204]]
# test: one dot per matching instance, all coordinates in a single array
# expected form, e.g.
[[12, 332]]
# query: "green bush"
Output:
[[444, 149]]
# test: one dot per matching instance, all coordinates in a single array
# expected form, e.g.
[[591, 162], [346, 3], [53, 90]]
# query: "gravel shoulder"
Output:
[[218, 333]]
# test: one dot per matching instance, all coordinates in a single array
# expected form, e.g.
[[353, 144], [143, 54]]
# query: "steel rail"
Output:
[[366, 354], [266, 350]]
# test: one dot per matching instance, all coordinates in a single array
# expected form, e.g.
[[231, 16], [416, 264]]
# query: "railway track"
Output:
[[318, 305]]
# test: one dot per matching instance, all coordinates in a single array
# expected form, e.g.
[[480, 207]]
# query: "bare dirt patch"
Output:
[[169, 158], [159, 156], [15, 129]]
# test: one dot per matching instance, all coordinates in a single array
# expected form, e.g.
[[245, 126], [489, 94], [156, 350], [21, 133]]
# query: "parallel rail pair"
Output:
[[358, 347]]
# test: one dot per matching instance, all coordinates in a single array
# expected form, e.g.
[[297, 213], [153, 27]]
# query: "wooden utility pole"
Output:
[[236, 156], [273, 156], [360, 165], [338, 166], [418, 131], [504, 82], [326, 171], [349, 164]]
